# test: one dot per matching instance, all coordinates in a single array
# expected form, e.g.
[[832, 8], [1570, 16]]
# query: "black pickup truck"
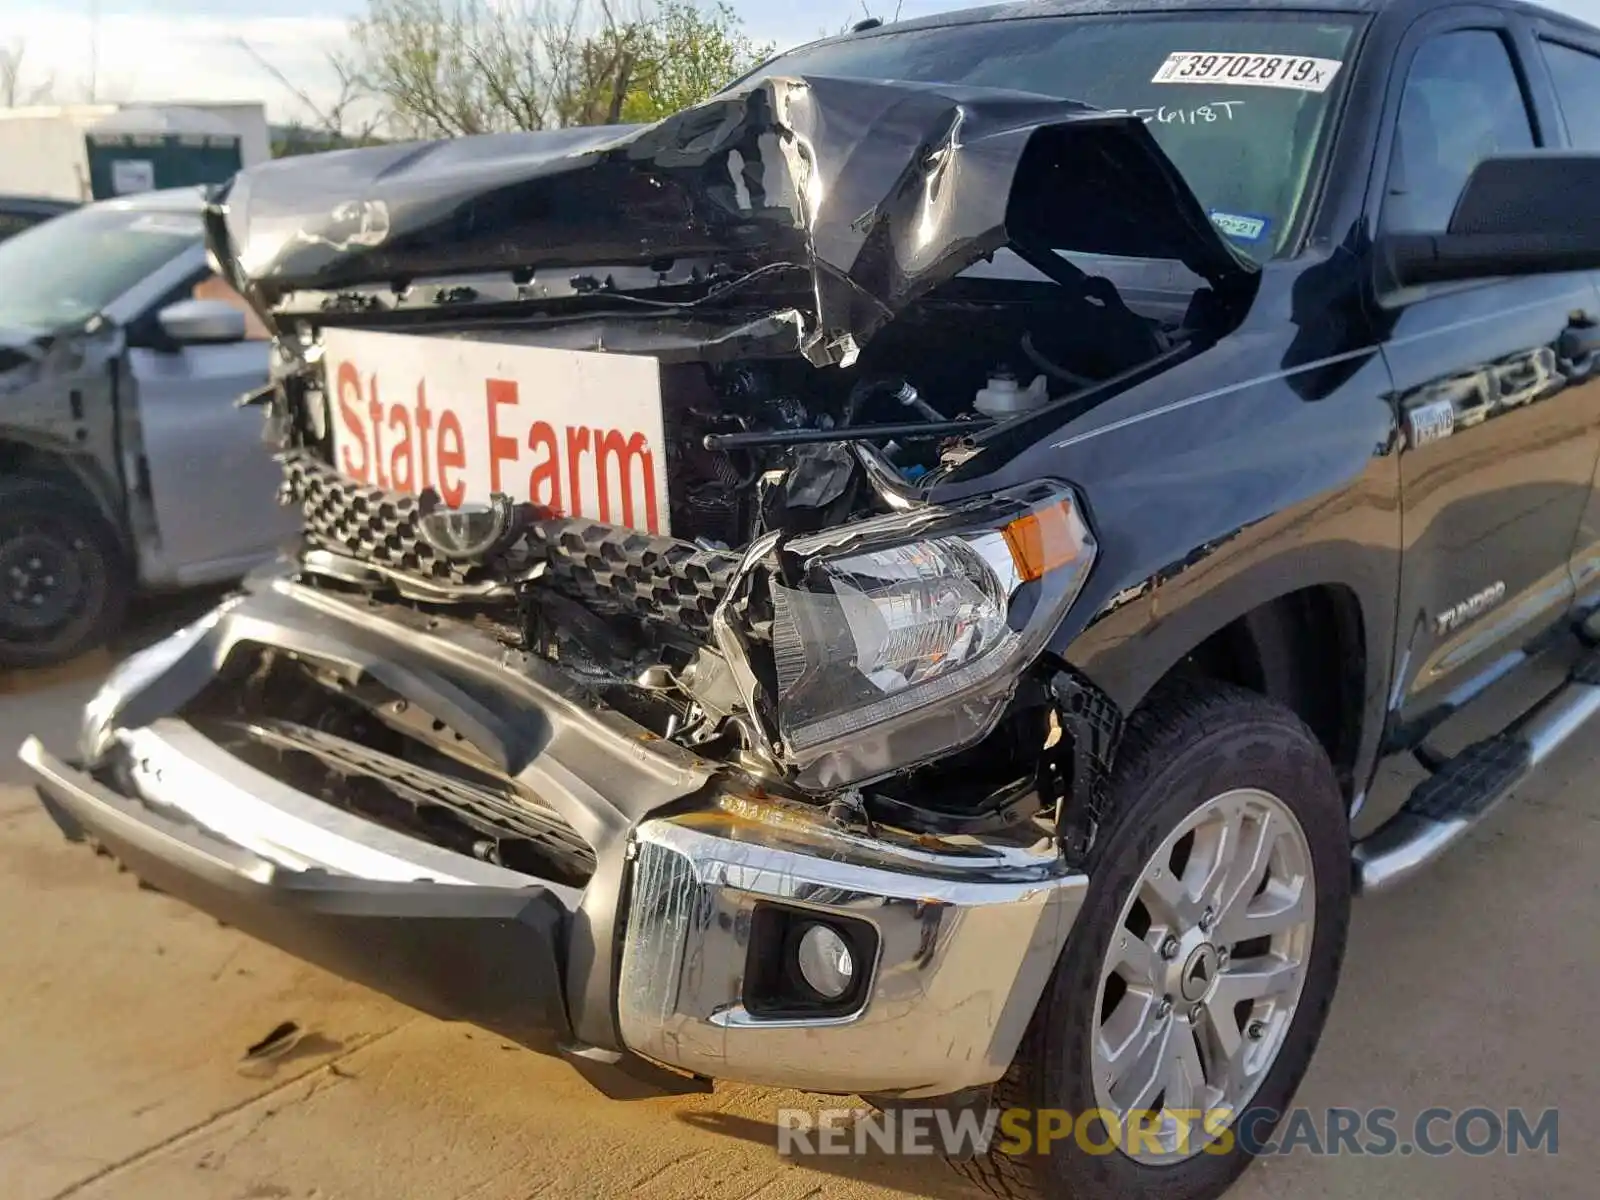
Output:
[[899, 580]]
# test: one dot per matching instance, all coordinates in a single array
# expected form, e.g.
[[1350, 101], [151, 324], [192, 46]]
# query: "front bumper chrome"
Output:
[[652, 955], [966, 943]]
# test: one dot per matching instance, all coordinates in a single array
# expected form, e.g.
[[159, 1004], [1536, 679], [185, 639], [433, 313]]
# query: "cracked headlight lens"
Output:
[[899, 629]]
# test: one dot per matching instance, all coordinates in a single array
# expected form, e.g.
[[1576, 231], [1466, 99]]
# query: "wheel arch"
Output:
[[26, 457], [1317, 641], [1307, 650]]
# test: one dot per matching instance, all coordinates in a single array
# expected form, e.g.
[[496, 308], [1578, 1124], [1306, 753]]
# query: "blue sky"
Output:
[[189, 49]]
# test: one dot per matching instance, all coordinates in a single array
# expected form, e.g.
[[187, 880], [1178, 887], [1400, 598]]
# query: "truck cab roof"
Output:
[[1074, 8]]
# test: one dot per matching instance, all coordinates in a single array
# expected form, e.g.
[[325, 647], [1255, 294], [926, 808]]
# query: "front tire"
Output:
[[1200, 973], [64, 579]]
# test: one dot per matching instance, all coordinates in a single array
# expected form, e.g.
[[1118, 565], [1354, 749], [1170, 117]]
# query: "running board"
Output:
[[1465, 788]]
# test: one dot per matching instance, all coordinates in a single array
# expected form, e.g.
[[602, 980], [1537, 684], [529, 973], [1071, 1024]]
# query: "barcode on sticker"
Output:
[[1297, 71]]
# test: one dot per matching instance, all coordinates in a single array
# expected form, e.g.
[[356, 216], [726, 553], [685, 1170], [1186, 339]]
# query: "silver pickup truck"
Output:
[[125, 463]]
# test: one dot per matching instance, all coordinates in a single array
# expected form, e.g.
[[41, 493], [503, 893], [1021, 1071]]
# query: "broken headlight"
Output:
[[902, 637]]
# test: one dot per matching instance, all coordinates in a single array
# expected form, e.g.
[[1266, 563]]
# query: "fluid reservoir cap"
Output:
[[1004, 398]]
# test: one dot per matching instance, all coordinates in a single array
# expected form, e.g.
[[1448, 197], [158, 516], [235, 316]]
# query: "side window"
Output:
[[1462, 103], [1576, 75]]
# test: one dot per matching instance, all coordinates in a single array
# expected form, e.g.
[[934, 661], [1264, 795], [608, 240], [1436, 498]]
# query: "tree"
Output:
[[448, 67], [13, 91], [690, 52], [344, 121]]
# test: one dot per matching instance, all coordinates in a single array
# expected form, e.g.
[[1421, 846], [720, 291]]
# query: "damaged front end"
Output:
[[409, 804], [779, 756], [797, 258]]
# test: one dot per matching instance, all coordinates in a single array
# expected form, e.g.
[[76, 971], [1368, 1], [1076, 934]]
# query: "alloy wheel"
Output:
[[1204, 973]]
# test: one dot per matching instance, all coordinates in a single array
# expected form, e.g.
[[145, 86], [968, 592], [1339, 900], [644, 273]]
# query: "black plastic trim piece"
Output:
[[484, 955], [1468, 784]]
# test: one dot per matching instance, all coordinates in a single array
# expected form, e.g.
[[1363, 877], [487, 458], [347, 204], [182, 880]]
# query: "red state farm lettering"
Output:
[[349, 388], [612, 445], [410, 448], [424, 417], [577, 447], [400, 455], [375, 411], [501, 448], [452, 457], [544, 481]]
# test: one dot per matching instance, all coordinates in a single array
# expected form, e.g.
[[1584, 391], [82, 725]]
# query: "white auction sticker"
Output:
[[1297, 71]]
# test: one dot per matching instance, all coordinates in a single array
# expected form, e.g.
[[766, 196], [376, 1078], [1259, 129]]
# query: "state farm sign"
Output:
[[575, 432]]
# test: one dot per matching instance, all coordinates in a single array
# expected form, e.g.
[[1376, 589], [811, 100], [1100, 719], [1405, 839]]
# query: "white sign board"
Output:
[[577, 433], [132, 175]]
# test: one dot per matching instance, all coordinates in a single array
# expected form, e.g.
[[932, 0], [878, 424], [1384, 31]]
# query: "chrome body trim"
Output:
[[1402, 848], [966, 945], [1411, 840], [1559, 720]]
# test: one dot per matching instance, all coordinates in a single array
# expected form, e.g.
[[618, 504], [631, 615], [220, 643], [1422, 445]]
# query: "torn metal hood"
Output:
[[881, 190]]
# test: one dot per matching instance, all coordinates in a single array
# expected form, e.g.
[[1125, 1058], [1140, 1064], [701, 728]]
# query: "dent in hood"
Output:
[[880, 190]]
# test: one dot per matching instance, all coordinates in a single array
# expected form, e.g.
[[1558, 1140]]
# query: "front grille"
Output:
[[490, 815], [624, 573], [611, 570], [365, 523]]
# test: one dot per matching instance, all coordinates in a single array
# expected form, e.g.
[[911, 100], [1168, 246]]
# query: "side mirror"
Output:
[[1519, 214], [200, 322]]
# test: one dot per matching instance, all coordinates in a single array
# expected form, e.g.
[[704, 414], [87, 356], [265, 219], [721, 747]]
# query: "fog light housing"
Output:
[[825, 962], [803, 964]]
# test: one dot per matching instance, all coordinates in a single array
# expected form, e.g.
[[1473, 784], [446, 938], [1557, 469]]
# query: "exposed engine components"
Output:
[[1004, 398]]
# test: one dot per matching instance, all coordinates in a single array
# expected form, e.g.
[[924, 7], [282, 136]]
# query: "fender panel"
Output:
[[1265, 465]]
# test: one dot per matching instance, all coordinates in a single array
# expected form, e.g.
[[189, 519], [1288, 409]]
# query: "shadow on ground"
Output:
[[916, 1175]]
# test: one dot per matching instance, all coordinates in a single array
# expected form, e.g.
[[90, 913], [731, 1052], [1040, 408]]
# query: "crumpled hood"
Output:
[[882, 190]]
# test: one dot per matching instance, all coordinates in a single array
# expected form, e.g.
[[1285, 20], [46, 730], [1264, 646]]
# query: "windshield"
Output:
[[66, 270], [1239, 102]]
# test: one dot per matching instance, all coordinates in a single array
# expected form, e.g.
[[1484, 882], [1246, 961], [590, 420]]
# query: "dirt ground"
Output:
[[125, 1018]]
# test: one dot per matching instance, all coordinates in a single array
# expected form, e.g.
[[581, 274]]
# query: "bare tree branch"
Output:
[[326, 120], [447, 67], [12, 90]]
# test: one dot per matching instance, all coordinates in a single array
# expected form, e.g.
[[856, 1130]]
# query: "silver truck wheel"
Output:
[[1204, 973], [1193, 990]]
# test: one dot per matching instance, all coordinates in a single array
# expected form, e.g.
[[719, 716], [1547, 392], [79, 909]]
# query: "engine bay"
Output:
[[764, 452]]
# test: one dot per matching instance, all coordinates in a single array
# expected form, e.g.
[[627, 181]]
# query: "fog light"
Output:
[[825, 962]]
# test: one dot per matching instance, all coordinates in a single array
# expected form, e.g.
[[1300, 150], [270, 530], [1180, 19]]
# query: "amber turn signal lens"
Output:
[[1045, 540]]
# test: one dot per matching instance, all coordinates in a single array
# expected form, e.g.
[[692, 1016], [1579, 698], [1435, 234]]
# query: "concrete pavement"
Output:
[[125, 1020]]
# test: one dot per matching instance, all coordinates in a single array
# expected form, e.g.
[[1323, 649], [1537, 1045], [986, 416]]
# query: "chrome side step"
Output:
[[1467, 787]]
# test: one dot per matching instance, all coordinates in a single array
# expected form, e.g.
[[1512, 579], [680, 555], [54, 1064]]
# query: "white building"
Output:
[[93, 151]]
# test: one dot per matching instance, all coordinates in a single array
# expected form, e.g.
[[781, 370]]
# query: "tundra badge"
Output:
[[1470, 609]]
